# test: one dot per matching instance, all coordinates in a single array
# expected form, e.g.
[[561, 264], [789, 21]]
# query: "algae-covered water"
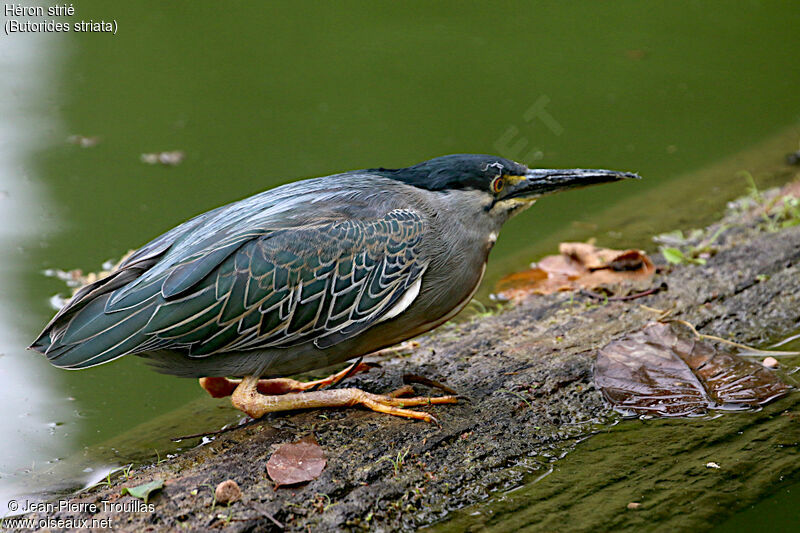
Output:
[[725, 473], [256, 95]]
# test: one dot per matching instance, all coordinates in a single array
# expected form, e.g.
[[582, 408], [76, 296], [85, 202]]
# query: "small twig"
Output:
[[754, 351], [786, 340], [518, 395], [642, 294], [422, 380], [662, 313], [268, 516], [402, 347], [217, 432]]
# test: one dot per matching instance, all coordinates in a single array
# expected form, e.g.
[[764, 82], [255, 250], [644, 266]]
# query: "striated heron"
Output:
[[303, 276]]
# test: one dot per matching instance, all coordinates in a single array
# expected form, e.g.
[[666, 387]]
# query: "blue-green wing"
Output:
[[265, 288], [324, 283]]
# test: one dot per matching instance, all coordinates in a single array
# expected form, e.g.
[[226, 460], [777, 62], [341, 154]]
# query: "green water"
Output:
[[729, 473], [260, 94]]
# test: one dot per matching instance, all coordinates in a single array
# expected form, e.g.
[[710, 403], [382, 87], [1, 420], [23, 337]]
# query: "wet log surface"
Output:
[[528, 374]]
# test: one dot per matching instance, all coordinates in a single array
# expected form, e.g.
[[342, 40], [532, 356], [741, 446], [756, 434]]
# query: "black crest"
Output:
[[457, 171]]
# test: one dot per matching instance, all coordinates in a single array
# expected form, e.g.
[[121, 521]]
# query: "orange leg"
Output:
[[222, 387], [218, 387], [247, 398]]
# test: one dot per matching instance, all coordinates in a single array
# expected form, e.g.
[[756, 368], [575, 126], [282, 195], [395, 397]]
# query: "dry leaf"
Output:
[[659, 372], [297, 462], [579, 266]]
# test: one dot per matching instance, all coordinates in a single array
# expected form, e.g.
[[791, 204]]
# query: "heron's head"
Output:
[[499, 186]]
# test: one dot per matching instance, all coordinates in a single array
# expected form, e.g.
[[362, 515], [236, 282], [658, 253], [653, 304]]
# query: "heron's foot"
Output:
[[247, 398], [222, 387]]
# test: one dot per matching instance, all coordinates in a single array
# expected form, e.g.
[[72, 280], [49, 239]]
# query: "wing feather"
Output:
[[276, 287], [324, 283]]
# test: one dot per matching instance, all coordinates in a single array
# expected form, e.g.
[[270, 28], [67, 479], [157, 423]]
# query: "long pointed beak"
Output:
[[542, 181]]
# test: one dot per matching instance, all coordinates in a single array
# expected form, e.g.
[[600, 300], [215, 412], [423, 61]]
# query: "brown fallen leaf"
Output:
[[297, 462], [661, 372], [579, 266]]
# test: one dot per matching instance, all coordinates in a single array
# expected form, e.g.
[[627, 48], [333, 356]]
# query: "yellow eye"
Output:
[[497, 184]]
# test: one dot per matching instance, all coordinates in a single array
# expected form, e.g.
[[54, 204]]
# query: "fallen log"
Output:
[[527, 373]]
